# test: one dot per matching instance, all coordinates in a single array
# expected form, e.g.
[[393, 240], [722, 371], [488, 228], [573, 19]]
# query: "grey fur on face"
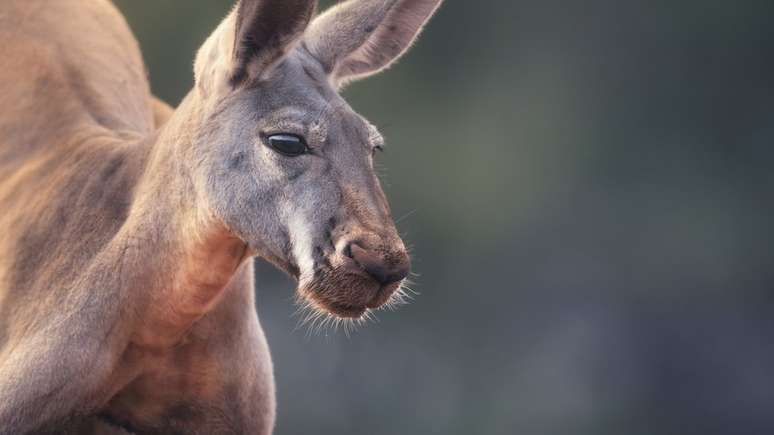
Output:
[[288, 84]]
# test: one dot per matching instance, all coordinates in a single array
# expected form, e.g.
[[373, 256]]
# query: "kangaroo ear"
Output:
[[253, 38], [265, 31], [357, 38]]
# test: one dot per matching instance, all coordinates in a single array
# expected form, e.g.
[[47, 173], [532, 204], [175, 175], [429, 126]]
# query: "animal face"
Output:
[[286, 163]]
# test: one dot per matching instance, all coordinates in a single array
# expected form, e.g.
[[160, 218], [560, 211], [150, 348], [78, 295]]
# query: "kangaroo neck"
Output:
[[190, 255]]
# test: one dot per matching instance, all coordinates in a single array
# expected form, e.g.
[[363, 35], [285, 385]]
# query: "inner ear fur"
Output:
[[357, 38], [264, 32], [255, 36]]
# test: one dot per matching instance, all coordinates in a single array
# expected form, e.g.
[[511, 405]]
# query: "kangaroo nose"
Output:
[[384, 271]]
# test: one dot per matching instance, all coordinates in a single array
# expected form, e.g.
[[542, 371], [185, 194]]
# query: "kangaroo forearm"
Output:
[[59, 365], [48, 379]]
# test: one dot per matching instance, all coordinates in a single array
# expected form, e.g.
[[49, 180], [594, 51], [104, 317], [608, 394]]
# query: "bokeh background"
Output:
[[588, 190]]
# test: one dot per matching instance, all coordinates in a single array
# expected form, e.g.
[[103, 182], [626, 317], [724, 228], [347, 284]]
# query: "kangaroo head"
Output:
[[284, 162]]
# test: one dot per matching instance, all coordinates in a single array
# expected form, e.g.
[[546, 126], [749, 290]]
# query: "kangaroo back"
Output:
[[72, 91], [67, 66]]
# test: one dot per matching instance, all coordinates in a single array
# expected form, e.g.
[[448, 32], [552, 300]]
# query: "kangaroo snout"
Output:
[[385, 266], [364, 272]]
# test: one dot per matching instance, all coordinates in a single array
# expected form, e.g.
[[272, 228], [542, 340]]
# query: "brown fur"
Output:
[[126, 290]]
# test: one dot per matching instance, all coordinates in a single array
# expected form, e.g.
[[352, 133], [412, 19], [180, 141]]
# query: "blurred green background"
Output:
[[587, 187]]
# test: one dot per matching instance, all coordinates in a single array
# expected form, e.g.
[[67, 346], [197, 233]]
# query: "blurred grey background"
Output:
[[588, 190]]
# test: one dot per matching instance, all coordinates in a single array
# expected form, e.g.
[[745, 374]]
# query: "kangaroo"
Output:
[[128, 228]]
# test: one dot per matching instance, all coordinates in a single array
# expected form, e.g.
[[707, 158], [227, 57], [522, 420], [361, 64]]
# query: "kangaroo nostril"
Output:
[[374, 264], [348, 250]]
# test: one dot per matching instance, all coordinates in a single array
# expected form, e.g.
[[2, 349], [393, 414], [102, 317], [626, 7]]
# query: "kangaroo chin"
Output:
[[345, 294]]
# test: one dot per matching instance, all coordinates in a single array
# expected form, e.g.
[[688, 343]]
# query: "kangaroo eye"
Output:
[[288, 144]]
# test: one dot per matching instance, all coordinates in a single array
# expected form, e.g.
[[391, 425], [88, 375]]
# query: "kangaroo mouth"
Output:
[[346, 295], [345, 311]]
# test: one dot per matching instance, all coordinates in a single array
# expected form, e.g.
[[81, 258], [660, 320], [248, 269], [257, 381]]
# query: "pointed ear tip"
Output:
[[264, 31], [351, 51]]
